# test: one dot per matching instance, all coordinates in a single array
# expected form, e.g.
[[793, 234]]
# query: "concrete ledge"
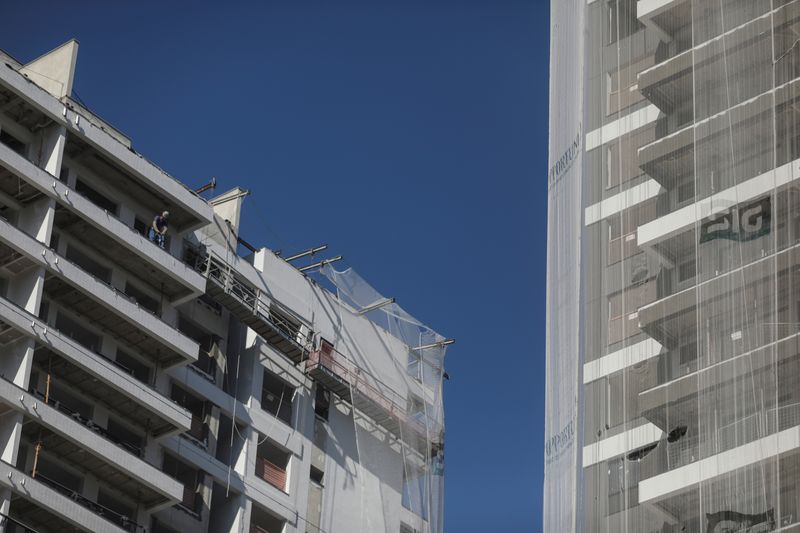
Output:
[[98, 291], [621, 444], [685, 478], [110, 375], [54, 502], [90, 441], [102, 220]]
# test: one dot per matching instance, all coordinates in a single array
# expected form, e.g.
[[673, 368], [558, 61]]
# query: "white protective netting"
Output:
[[689, 246], [398, 413]]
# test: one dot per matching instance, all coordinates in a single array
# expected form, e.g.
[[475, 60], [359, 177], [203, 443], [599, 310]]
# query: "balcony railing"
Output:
[[112, 516], [271, 473], [89, 423]]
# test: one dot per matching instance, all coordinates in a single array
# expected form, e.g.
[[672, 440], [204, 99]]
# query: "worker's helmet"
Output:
[[165, 214]]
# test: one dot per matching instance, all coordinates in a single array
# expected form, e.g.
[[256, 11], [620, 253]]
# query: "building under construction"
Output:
[[673, 402], [195, 382]]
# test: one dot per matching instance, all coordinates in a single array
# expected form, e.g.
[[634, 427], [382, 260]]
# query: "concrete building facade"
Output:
[[674, 304], [189, 386]]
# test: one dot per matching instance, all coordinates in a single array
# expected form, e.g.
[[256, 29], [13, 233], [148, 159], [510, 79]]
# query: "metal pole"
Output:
[[310, 251]]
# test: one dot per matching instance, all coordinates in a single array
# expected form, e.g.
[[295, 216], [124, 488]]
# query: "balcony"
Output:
[[122, 521], [93, 374], [100, 303], [78, 441], [100, 229], [38, 505]]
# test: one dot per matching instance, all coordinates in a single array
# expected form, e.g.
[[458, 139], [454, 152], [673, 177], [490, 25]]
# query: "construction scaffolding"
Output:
[[412, 419]]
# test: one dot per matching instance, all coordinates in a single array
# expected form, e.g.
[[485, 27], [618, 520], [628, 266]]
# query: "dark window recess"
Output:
[[129, 438], [53, 473], [54, 240], [322, 402], [198, 429], [12, 142], [276, 397], [141, 227], [210, 302], [123, 512], [317, 475], [133, 366], [63, 174], [142, 298], [78, 333], [196, 333], [44, 309], [192, 480], [63, 399], [88, 264], [95, 197]]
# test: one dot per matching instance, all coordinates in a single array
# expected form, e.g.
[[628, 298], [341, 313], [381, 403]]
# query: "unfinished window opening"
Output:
[[57, 477], [322, 402], [88, 264], [142, 298], [271, 464], [206, 363], [277, 397], [115, 509], [95, 197], [198, 432], [133, 366], [192, 480], [67, 402], [125, 437], [77, 332], [264, 522], [13, 143]]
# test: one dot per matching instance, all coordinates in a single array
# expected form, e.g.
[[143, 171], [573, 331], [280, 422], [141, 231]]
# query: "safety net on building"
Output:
[[397, 409], [676, 346]]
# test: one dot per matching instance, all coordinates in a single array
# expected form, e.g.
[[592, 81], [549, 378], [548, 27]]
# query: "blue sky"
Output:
[[409, 135]]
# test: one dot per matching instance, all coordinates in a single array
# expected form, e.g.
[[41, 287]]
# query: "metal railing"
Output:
[[87, 422], [370, 388], [100, 510], [6, 520], [224, 276]]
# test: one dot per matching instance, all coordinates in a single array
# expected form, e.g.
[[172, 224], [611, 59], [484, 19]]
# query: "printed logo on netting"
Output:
[[740, 223], [566, 160], [554, 446], [725, 521]]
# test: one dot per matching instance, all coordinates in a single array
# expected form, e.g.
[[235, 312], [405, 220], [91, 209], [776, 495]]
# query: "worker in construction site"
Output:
[[158, 231]]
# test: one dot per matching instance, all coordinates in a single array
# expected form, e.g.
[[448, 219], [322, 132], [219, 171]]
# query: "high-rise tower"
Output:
[[674, 267]]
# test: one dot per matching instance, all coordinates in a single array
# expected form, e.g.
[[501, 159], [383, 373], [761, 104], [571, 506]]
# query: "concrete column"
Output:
[[26, 289]]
